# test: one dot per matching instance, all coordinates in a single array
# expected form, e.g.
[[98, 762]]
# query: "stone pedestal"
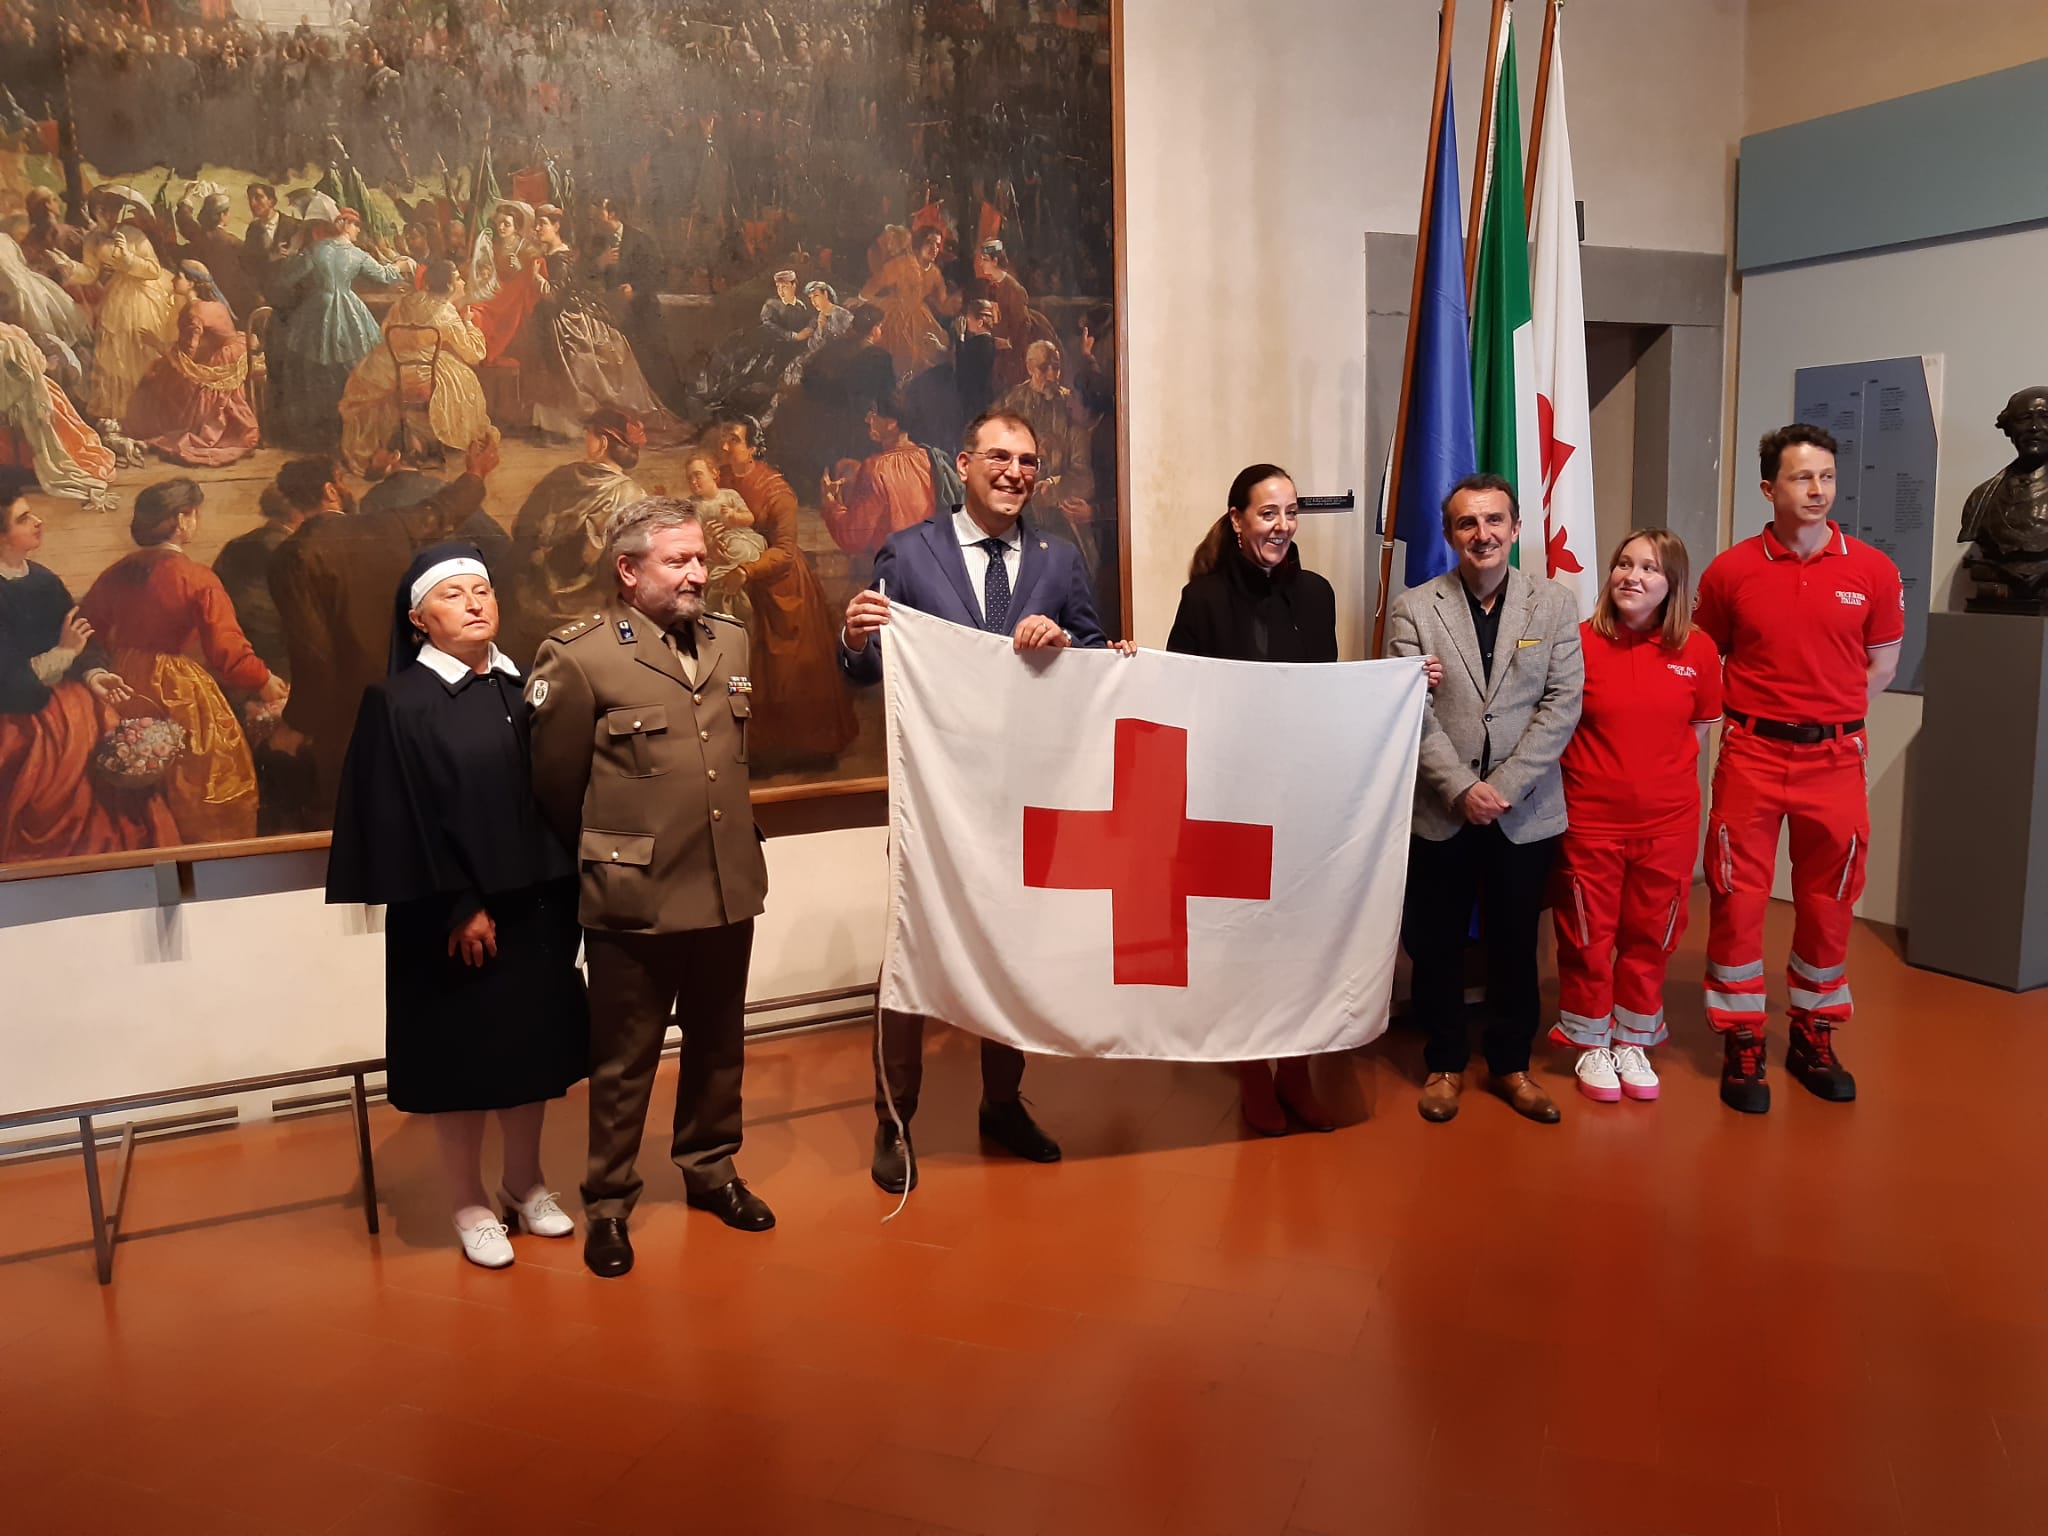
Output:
[[1977, 904]]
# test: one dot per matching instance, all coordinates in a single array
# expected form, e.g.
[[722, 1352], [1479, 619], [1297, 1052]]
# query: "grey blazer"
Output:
[[1527, 711]]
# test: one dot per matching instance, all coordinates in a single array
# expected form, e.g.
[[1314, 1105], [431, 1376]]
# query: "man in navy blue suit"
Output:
[[980, 565]]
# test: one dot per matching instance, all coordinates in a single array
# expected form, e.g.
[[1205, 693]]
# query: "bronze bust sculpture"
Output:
[[2005, 520]]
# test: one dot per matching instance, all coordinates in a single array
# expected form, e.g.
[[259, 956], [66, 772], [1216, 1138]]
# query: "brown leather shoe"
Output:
[[1440, 1095], [1527, 1099]]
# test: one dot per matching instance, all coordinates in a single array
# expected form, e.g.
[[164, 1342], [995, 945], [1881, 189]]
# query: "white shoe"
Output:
[[1632, 1066], [540, 1214], [485, 1244], [1597, 1080]]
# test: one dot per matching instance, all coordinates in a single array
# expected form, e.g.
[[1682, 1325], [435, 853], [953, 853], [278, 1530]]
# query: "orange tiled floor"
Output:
[[1650, 1319]]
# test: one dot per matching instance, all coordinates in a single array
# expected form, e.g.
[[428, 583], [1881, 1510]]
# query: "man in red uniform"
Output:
[[1809, 621]]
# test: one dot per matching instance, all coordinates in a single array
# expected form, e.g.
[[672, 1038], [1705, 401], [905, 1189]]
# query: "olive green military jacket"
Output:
[[644, 774]]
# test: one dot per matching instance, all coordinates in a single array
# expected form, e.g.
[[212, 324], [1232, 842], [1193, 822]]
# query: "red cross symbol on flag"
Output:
[[1145, 852]]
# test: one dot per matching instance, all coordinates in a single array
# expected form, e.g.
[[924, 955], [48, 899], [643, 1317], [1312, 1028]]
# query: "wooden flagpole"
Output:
[[1482, 161], [1447, 18], [1550, 10]]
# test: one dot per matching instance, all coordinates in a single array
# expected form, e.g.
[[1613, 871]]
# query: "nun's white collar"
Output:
[[451, 671]]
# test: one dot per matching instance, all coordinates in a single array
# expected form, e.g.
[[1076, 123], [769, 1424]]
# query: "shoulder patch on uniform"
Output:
[[726, 618], [537, 692], [576, 628]]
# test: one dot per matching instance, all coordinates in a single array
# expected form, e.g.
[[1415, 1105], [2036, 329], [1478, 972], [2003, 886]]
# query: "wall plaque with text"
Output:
[[1882, 414]]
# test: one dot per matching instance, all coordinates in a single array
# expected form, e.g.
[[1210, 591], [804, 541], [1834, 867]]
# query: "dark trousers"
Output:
[[637, 980], [902, 1066], [287, 793], [1509, 881]]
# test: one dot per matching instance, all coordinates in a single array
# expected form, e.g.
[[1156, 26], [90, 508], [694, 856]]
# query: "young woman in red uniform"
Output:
[[1631, 787]]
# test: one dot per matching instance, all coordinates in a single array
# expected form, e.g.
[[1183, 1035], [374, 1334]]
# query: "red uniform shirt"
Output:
[[1632, 767], [1796, 632]]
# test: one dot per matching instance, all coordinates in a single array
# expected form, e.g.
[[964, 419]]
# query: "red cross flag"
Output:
[[1162, 857]]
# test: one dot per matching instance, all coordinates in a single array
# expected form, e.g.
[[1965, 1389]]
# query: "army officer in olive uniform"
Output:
[[640, 763]]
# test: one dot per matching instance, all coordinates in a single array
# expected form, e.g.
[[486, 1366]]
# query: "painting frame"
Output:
[[858, 795]]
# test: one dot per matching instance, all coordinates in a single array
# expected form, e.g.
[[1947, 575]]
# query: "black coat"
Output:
[[437, 819], [640, 266], [437, 799], [1239, 612]]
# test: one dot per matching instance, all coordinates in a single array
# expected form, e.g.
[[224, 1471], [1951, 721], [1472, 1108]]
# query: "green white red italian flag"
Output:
[[1503, 330], [1531, 410]]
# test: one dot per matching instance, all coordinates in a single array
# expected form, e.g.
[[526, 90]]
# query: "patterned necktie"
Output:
[[995, 590]]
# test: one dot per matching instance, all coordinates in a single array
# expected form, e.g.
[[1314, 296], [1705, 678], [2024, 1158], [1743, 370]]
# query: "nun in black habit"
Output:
[[484, 1007]]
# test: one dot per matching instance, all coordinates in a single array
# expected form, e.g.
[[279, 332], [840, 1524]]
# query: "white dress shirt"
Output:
[[969, 533]]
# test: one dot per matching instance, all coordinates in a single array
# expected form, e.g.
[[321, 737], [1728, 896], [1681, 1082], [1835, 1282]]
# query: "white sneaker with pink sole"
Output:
[[1632, 1067], [1597, 1077]]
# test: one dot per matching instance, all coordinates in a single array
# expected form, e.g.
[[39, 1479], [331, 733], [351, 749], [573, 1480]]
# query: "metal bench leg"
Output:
[[102, 1250], [360, 1105], [106, 1215]]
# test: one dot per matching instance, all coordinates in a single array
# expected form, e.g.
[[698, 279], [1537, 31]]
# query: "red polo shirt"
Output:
[[1796, 632], [1632, 767]]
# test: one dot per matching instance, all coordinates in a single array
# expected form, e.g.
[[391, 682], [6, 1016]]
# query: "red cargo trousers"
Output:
[[1619, 909], [1819, 793]]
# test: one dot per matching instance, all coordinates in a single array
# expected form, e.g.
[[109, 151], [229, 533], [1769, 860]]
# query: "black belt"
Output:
[[1785, 730]]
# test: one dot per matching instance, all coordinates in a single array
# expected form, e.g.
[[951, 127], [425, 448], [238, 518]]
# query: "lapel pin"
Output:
[[625, 631]]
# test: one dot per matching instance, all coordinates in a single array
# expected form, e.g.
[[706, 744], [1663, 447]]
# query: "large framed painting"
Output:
[[286, 294]]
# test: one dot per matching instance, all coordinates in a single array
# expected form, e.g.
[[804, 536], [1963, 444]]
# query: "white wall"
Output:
[[1938, 300], [1809, 58], [1265, 140], [107, 995]]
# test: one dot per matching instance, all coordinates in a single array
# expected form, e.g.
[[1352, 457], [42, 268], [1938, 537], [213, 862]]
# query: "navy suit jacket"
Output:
[[923, 568]]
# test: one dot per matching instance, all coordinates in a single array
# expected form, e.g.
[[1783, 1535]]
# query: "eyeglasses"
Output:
[[1001, 460]]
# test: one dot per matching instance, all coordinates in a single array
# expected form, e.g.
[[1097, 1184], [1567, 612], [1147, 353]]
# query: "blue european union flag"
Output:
[[1440, 450]]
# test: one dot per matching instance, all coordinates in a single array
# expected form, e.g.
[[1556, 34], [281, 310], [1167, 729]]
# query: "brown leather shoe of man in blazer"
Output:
[[1528, 1100], [1440, 1095]]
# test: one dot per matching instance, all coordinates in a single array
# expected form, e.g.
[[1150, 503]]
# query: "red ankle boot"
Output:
[[1262, 1110]]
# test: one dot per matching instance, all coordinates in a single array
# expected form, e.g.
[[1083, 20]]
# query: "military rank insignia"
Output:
[[625, 631], [739, 685]]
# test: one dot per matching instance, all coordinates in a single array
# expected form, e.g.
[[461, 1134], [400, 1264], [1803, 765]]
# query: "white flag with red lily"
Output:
[[1158, 856], [1564, 413]]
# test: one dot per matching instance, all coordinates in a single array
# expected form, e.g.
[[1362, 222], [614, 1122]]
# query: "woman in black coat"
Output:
[[1248, 598], [483, 1004]]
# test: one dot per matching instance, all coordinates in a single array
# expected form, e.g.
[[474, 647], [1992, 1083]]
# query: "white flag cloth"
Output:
[[1160, 856], [1564, 408]]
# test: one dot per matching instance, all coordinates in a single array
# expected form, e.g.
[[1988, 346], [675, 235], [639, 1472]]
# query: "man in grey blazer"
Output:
[[1489, 801]]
